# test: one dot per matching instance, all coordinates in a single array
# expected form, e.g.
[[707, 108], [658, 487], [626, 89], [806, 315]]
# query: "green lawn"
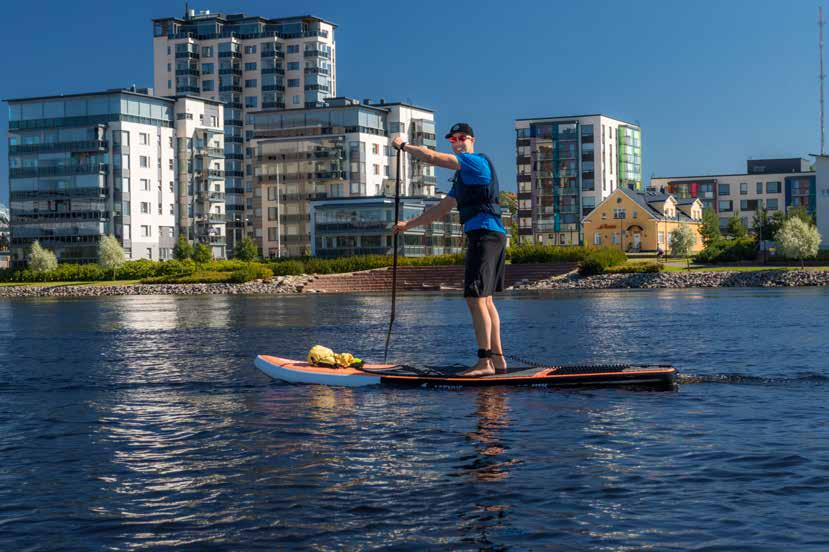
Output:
[[51, 284]]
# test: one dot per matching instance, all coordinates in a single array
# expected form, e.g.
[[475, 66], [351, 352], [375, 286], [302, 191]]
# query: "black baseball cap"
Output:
[[460, 127]]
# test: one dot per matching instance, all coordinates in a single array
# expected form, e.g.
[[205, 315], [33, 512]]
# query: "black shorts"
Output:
[[486, 253]]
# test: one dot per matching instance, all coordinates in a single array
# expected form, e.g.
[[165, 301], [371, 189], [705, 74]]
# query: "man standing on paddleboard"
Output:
[[475, 194]]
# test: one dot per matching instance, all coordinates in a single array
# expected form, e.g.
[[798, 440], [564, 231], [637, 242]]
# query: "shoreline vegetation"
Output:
[[603, 268]]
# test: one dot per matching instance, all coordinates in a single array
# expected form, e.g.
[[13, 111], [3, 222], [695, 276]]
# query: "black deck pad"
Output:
[[454, 370]]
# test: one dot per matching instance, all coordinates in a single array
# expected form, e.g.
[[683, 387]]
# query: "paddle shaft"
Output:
[[394, 245]]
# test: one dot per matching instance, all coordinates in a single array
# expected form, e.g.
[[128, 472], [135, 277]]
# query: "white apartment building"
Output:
[[776, 184], [342, 150], [249, 63], [118, 162], [566, 166]]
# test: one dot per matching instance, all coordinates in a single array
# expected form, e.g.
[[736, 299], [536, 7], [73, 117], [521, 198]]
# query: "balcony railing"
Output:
[[188, 89], [230, 54], [231, 71], [180, 55], [317, 53], [192, 72], [231, 88], [87, 168], [86, 145], [217, 153], [272, 53], [273, 71]]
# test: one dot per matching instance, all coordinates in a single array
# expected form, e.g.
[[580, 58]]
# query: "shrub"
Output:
[[287, 268], [722, 251], [42, 261], [635, 268], [598, 260], [183, 250], [251, 272], [174, 267], [536, 253], [136, 270], [110, 254], [202, 253], [246, 249]]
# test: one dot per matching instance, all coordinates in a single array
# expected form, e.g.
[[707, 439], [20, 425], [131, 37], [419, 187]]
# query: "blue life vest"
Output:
[[474, 199]]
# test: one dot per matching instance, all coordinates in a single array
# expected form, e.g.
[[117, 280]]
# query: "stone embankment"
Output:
[[281, 284], [764, 278]]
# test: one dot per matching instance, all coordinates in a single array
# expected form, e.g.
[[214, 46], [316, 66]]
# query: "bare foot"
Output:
[[500, 362], [484, 367]]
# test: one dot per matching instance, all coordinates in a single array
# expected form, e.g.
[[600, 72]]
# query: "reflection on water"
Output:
[[141, 423]]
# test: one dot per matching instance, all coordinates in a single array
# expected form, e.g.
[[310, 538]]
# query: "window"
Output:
[[250, 49], [149, 252], [375, 149], [172, 209], [597, 238], [169, 67], [145, 184], [772, 187], [208, 85], [295, 100], [636, 214], [376, 169], [146, 231], [724, 189], [145, 208], [771, 204], [293, 66], [743, 188], [272, 234], [724, 205], [169, 83], [293, 82], [251, 101], [250, 66], [125, 185], [143, 161], [604, 215], [207, 51], [293, 48], [619, 213], [661, 237], [386, 170], [615, 237], [759, 187], [271, 193], [207, 68], [271, 213], [250, 83], [172, 189], [121, 138]]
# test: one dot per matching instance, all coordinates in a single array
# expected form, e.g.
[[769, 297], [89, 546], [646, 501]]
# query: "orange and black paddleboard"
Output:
[[656, 377]]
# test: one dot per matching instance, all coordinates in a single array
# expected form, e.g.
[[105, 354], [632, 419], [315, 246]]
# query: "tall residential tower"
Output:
[[566, 167], [248, 63]]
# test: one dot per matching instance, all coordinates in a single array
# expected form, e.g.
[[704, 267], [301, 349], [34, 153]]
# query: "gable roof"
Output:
[[644, 200]]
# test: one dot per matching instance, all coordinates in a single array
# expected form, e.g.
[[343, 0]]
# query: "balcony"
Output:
[[230, 54], [272, 87], [424, 180], [188, 89], [184, 72], [317, 71], [66, 170], [216, 174], [317, 53], [191, 55], [216, 153], [216, 197], [273, 105], [87, 145], [272, 54], [231, 71], [232, 88], [273, 71]]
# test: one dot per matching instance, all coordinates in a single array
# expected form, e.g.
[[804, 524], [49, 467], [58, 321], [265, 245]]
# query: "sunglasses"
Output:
[[460, 138]]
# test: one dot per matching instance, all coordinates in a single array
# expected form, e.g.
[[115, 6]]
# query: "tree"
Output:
[[798, 240], [4, 242], [683, 240], [110, 254], [736, 228], [710, 228], [41, 260], [246, 250], [800, 212], [765, 226], [202, 253], [183, 250]]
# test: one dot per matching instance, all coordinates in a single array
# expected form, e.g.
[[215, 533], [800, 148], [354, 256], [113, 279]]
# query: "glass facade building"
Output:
[[347, 227]]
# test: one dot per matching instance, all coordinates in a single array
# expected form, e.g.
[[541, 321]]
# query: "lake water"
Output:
[[141, 423]]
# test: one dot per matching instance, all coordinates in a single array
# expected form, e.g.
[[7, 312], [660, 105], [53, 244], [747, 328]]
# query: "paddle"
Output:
[[394, 262]]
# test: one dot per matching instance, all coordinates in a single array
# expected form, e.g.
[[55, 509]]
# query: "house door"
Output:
[[637, 240]]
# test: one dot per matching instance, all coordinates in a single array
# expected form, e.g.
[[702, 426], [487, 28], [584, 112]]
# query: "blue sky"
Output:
[[711, 83]]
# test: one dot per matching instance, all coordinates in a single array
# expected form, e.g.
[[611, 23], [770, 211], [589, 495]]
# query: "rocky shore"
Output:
[[281, 284], [297, 284], [764, 278]]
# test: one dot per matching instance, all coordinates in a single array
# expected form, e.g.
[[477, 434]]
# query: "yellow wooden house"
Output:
[[637, 221]]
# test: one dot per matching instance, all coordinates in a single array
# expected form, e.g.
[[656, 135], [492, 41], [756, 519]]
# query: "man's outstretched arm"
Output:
[[432, 157]]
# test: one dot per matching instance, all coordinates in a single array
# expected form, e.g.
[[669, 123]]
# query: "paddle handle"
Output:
[[394, 255]]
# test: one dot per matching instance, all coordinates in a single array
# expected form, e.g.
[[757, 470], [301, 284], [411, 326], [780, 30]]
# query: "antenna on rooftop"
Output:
[[822, 76], [186, 9]]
